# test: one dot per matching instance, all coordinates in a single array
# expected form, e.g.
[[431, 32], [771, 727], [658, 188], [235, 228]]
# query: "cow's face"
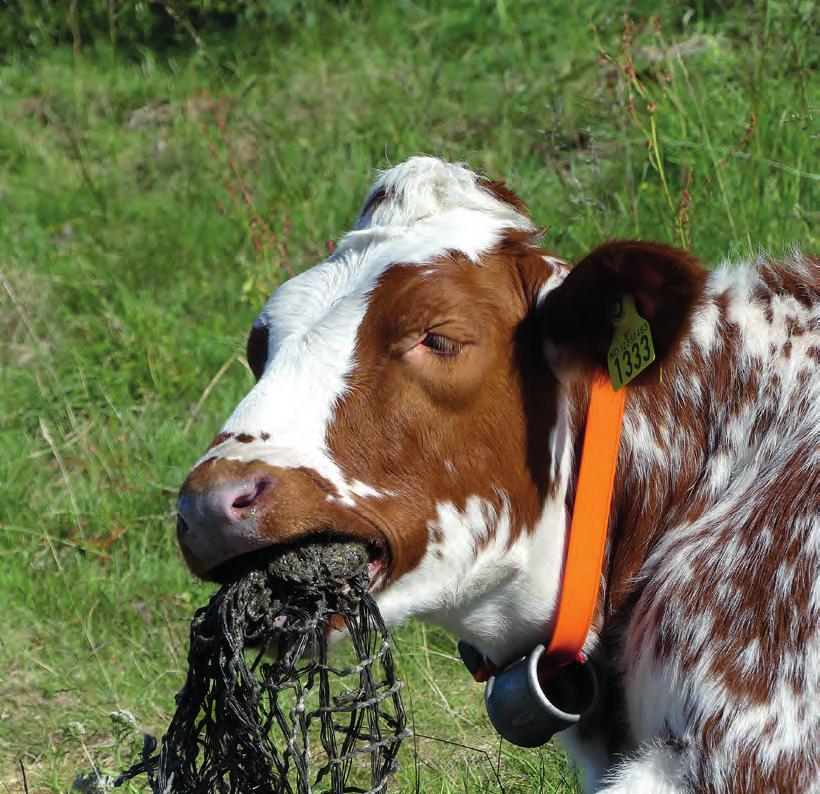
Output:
[[402, 399]]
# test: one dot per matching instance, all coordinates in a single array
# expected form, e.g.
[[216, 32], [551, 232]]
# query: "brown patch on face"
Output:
[[245, 438], [488, 407], [219, 439]]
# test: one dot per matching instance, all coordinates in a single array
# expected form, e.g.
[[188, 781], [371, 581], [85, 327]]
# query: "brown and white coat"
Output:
[[424, 389]]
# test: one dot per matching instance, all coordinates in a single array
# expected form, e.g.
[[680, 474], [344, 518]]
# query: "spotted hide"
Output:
[[424, 390]]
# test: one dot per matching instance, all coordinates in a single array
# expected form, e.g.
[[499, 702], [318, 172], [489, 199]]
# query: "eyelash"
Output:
[[441, 345]]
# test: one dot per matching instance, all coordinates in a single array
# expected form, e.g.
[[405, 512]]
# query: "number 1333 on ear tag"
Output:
[[631, 351]]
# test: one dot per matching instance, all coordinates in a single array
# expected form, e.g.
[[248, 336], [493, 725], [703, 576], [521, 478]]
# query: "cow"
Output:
[[424, 390]]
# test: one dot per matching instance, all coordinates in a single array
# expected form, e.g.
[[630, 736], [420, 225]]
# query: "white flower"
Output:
[[123, 721], [93, 782], [73, 731]]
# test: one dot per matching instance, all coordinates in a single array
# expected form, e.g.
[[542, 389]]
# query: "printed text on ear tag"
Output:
[[631, 351]]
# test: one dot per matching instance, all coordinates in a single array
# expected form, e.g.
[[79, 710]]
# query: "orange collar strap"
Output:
[[587, 533], [590, 520]]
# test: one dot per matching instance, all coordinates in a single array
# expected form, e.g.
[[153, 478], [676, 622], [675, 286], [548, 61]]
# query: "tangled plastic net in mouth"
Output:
[[283, 718]]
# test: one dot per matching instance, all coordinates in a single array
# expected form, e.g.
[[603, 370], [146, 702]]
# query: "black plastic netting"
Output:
[[263, 710]]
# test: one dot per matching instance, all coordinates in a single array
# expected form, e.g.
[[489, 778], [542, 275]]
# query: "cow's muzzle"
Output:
[[231, 512]]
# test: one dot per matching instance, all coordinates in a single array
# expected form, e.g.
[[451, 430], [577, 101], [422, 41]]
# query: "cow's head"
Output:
[[402, 398]]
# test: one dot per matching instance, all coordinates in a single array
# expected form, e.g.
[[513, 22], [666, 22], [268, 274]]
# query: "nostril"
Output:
[[249, 497], [243, 501]]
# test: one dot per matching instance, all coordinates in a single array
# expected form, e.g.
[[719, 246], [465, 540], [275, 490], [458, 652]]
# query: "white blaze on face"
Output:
[[429, 208]]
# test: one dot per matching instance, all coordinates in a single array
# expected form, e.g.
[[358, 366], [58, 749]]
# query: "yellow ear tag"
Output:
[[631, 351]]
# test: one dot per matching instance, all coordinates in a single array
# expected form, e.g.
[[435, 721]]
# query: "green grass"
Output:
[[130, 276]]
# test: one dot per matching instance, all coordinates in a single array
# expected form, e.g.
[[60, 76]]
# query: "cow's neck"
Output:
[[499, 589], [665, 474], [498, 599]]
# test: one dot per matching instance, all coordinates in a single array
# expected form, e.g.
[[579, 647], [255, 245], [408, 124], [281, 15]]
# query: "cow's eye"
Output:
[[441, 345]]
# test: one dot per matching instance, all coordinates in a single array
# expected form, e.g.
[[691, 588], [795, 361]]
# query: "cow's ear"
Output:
[[576, 318]]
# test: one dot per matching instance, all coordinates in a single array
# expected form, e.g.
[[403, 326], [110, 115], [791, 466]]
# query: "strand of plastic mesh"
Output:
[[263, 710]]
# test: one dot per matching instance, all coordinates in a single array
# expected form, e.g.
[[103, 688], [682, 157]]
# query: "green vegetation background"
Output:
[[163, 165]]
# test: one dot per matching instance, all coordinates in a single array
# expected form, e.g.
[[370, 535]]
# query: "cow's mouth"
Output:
[[237, 567], [257, 650]]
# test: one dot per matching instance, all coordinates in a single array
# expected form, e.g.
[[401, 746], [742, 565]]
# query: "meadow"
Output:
[[151, 197]]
